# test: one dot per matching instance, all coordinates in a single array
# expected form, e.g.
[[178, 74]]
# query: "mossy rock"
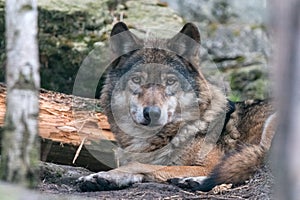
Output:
[[70, 29], [249, 83]]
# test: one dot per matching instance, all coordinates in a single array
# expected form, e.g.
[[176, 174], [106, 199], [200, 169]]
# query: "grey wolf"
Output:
[[171, 123]]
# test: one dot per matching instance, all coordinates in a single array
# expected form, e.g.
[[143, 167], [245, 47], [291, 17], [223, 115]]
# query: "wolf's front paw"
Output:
[[97, 182], [102, 181], [200, 183], [188, 182]]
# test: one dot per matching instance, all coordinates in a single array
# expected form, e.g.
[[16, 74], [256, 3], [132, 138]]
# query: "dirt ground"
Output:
[[59, 182]]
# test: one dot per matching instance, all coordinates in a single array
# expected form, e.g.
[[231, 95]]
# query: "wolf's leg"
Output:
[[137, 172]]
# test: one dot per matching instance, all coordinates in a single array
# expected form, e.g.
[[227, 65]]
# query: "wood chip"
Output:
[[67, 128]]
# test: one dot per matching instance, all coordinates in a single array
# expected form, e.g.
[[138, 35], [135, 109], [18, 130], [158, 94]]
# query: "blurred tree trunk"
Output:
[[286, 154], [20, 146]]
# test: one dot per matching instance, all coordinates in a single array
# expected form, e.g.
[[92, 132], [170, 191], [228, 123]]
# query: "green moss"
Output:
[[212, 28], [258, 26], [248, 83], [65, 39], [234, 96], [69, 30], [236, 32], [240, 59]]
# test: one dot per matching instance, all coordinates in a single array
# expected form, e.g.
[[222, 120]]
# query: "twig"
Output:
[[78, 150]]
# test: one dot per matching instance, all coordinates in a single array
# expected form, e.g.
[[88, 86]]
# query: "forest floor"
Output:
[[59, 182]]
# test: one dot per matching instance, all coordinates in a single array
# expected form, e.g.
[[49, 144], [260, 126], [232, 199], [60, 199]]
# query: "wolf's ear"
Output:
[[191, 30], [122, 41], [187, 42], [118, 28]]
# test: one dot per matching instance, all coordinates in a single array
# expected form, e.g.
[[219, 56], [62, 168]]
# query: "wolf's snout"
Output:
[[151, 115]]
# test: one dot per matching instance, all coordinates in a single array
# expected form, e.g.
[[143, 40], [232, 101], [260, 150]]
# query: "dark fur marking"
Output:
[[207, 185], [230, 110]]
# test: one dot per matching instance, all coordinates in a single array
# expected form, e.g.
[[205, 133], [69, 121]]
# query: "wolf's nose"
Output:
[[151, 114]]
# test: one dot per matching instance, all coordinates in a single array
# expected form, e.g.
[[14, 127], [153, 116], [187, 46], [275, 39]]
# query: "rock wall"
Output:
[[234, 37], [70, 29]]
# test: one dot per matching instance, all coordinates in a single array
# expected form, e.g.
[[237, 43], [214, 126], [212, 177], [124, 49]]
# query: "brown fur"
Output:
[[198, 145]]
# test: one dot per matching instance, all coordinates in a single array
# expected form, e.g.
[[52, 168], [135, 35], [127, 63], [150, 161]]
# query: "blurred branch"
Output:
[[286, 24]]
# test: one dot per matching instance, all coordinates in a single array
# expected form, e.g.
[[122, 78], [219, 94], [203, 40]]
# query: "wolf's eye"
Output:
[[136, 79], [171, 81]]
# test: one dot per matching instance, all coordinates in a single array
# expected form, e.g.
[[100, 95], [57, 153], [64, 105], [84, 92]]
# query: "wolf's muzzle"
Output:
[[151, 115]]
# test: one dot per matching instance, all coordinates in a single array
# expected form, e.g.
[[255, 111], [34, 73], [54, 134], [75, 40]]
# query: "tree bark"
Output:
[[65, 122], [286, 150], [20, 147]]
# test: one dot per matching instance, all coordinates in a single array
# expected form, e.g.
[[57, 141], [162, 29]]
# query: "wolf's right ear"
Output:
[[123, 41]]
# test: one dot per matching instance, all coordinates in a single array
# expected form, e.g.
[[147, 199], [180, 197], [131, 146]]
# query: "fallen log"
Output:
[[73, 131]]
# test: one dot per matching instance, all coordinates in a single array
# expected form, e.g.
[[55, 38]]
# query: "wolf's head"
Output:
[[155, 82]]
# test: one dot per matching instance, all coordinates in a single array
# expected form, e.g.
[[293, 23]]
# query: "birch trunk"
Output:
[[20, 146]]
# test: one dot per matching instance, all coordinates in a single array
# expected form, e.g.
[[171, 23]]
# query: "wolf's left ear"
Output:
[[123, 41], [187, 42], [192, 31]]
